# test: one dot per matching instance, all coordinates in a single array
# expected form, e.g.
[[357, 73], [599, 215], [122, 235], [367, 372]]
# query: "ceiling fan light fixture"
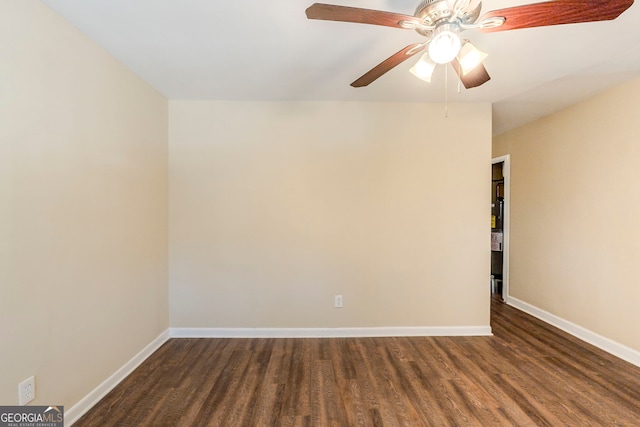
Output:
[[470, 58], [423, 69], [445, 45]]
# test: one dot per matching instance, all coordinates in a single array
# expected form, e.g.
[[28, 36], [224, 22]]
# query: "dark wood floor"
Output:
[[527, 374]]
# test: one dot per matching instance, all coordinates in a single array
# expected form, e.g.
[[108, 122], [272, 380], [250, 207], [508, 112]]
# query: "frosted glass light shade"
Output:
[[423, 68], [470, 58], [445, 45]]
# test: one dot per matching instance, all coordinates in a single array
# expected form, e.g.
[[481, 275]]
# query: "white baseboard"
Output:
[[329, 332], [603, 343], [87, 402]]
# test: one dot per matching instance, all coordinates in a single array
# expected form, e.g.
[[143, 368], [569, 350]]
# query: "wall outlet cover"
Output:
[[26, 391]]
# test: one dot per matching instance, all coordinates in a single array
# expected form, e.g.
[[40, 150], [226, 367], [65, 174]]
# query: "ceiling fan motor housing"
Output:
[[433, 12]]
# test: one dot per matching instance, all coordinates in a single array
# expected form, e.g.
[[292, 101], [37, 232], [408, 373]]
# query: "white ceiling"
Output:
[[257, 50]]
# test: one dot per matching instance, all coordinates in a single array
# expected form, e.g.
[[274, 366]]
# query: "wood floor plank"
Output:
[[528, 374]]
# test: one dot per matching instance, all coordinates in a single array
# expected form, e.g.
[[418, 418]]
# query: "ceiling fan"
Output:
[[442, 21]]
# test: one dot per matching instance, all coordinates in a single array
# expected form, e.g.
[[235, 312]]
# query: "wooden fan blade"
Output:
[[474, 78], [331, 12], [556, 13], [386, 65]]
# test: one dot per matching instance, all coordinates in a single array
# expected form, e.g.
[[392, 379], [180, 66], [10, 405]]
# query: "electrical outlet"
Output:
[[26, 391], [338, 301]]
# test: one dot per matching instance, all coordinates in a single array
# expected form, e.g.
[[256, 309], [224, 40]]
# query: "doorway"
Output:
[[500, 190]]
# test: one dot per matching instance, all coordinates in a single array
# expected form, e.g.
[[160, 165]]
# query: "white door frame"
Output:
[[506, 173]]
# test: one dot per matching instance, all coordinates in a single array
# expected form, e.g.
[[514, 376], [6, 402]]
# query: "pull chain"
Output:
[[459, 80], [446, 92]]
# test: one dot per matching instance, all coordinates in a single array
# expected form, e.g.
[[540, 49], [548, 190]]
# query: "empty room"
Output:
[[363, 213]]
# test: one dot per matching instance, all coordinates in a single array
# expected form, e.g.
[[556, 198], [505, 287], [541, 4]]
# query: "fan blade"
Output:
[[556, 13], [331, 12], [474, 78], [386, 65]]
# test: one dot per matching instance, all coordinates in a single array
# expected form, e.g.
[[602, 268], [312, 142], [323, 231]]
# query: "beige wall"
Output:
[[277, 207], [83, 201], [575, 212]]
